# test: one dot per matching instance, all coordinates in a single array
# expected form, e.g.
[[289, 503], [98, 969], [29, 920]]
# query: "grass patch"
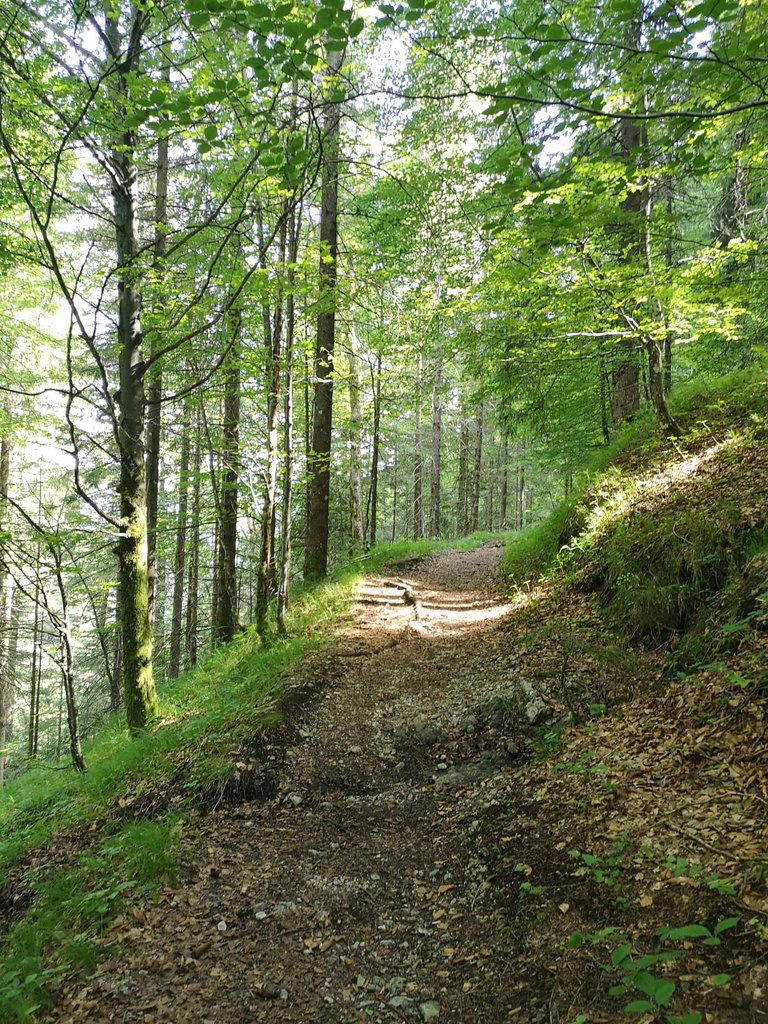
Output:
[[671, 532]]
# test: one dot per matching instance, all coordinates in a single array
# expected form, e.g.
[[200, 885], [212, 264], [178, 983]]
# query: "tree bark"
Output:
[[190, 636], [374, 491], [155, 384], [418, 461], [225, 622], [180, 551], [286, 525], [435, 524], [319, 456], [462, 507], [477, 469], [138, 682], [356, 529], [274, 346], [504, 493]]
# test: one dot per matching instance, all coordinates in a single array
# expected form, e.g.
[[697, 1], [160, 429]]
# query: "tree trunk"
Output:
[[138, 682], [356, 530], [6, 592], [374, 491], [462, 507], [9, 641], [190, 641], [477, 469], [286, 525], [155, 383], [274, 345], [180, 551], [33, 732], [504, 495], [225, 621], [418, 462], [319, 457], [437, 426], [520, 503]]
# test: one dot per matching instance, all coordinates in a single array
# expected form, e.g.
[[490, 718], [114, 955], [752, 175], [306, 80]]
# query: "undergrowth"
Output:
[[671, 533], [53, 913]]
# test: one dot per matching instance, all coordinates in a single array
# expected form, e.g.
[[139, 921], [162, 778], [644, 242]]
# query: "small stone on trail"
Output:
[[294, 798], [395, 985], [400, 1002], [355, 750], [429, 1011], [222, 926]]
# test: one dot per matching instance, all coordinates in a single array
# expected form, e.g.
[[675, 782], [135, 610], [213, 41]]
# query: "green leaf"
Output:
[[720, 979], [725, 924], [688, 931], [664, 992], [639, 1006], [621, 953], [210, 132], [356, 27]]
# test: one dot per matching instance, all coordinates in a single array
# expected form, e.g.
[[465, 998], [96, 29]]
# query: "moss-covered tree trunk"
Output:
[[138, 683]]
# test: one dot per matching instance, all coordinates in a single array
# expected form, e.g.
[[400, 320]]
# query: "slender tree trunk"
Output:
[[435, 524], [356, 529], [626, 369], [155, 383], [286, 524], [33, 731], [374, 492], [319, 460], [6, 591], [179, 555], [138, 682], [274, 344], [190, 641], [418, 461], [10, 630], [394, 494], [66, 661], [116, 691], [520, 497], [225, 622], [477, 469], [504, 496], [462, 507]]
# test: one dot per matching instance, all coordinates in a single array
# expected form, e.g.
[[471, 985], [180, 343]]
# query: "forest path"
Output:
[[357, 891]]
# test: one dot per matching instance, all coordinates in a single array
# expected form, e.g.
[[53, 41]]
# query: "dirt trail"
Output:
[[357, 892]]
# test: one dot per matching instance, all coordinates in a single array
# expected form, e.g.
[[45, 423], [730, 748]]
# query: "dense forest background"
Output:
[[283, 281]]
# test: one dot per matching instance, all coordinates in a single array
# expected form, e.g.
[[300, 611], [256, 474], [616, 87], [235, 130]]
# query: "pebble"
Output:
[[400, 1002], [294, 798], [429, 1011]]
